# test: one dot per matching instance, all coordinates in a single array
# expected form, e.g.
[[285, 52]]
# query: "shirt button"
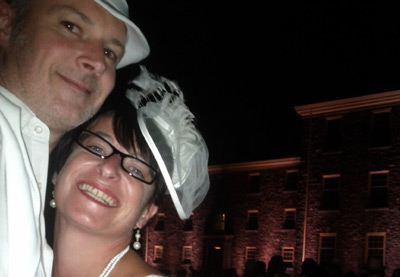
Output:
[[40, 185], [38, 129]]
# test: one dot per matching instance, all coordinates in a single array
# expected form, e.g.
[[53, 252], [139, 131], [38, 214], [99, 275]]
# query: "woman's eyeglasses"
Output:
[[101, 148]]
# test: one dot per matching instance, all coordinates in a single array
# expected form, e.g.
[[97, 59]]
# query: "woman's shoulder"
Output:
[[153, 275]]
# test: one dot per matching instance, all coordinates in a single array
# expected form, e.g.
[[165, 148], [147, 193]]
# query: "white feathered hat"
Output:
[[168, 127]]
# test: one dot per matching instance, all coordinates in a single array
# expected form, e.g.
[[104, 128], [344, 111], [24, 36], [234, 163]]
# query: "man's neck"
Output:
[[54, 138]]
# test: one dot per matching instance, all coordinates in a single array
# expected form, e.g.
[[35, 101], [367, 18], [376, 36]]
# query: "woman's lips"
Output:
[[98, 195]]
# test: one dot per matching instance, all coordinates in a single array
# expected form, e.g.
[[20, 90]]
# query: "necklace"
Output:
[[113, 262]]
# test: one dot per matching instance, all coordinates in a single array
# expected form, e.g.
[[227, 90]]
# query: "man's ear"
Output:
[[6, 18], [147, 214]]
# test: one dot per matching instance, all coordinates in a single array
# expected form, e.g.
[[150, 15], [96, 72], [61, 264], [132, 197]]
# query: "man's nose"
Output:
[[91, 58]]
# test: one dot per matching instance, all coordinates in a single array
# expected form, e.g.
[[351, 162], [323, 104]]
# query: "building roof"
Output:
[[377, 100]]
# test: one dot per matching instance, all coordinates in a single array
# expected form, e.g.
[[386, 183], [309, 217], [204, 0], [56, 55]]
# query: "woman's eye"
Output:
[[136, 172], [70, 26], [96, 149]]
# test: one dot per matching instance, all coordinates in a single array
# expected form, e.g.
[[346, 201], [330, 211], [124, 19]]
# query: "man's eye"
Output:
[[110, 54], [70, 26]]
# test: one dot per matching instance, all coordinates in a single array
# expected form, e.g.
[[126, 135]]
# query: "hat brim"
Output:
[[176, 199]]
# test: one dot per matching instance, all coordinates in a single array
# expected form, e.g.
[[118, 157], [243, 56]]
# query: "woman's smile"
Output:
[[97, 195]]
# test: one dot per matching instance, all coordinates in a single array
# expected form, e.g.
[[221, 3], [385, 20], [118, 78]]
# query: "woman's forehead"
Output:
[[103, 126]]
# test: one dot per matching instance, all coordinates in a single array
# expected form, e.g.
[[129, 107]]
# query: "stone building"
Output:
[[337, 202]]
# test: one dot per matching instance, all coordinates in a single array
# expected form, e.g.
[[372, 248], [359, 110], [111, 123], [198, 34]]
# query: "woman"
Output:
[[110, 177]]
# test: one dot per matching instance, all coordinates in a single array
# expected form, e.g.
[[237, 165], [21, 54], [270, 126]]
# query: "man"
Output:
[[57, 65]]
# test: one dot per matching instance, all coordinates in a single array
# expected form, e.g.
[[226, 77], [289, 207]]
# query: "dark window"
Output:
[[375, 247], [291, 180], [160, 223], [380, 130], [330, 194], [290, 219], [252, 220], [333, 135], [378, 190], [327, 249], [188, 224], [254, 183]]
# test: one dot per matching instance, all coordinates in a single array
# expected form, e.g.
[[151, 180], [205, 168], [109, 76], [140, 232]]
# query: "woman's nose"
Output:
[[110, 167]]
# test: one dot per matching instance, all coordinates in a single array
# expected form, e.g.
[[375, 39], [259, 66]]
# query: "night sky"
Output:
[[243, 66]]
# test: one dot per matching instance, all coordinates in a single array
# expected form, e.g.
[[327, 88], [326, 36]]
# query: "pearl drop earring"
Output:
[[53, 201], [136, 244]]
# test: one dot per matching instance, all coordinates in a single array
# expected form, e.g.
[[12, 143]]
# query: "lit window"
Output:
[[252, 220], [327, 248], [186, 254], [251, 253], [330, 192], [377, 189], [158, 253], [376, 244], [288, 254], [219, 222], [289, 220]]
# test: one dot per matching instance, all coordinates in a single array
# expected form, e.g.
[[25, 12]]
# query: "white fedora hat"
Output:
[[136, 46]]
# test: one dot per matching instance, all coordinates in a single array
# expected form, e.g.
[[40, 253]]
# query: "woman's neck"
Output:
[[79, 252]]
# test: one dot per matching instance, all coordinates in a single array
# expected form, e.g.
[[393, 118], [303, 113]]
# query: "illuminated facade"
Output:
[[337, 202]]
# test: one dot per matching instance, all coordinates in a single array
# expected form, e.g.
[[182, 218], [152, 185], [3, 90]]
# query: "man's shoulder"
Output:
[[10, 114], [9, 102], [13, 110], [4, 93], [7, 99]]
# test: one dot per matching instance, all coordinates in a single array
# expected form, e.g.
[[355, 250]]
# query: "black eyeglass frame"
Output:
[[115, 151]]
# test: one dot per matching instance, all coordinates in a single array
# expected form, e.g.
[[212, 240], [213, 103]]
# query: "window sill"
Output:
[[251, 230], [377, 209]]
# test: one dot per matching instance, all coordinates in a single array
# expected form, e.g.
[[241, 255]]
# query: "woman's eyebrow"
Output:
[[104, 135]]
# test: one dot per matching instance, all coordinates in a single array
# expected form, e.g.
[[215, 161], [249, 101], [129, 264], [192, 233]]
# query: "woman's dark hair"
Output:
[[127, 132]]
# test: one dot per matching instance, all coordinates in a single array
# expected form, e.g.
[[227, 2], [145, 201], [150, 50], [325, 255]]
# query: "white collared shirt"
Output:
[[24, 155]]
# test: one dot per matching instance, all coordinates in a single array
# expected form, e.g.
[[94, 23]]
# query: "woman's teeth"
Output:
[[97, 194]]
